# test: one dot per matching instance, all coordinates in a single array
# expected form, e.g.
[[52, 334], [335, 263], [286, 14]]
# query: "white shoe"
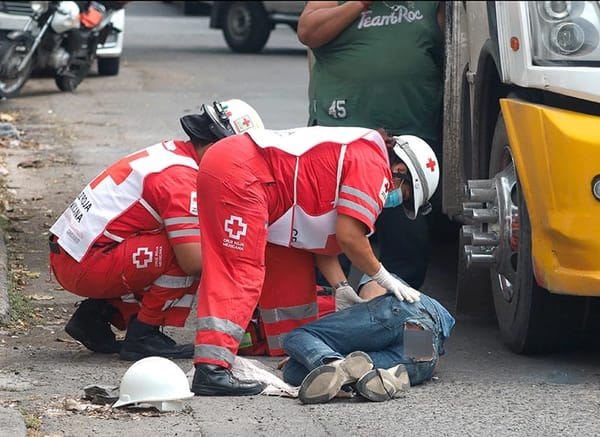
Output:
[[383, 384], [323, 383]]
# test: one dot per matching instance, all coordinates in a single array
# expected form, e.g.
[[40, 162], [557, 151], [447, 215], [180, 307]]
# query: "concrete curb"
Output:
[[12, 423], [4, 303]]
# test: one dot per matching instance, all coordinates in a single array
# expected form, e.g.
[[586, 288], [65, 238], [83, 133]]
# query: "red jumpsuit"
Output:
[[115, 239], [285, 188]]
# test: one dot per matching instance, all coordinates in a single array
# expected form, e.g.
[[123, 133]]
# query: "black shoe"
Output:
[[212, 380], [90, 325], [143, 340]]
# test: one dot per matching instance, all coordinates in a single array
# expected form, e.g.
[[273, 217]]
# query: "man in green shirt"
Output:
[[379, 65]]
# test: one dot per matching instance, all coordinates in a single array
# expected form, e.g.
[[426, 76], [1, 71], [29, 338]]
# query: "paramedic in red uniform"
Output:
[[312, 191], [130, 241]]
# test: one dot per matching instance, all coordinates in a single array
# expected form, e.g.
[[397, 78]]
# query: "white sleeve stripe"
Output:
[[151, 210]]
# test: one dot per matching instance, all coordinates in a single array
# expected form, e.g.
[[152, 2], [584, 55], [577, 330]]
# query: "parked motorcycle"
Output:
[[50, 35]]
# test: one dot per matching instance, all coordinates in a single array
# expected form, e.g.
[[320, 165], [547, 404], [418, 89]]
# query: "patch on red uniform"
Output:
[[383, 191], [194, 203], [236, 228], [142, 257]]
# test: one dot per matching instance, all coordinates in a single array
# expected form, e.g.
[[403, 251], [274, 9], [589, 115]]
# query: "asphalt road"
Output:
[[172, 64]]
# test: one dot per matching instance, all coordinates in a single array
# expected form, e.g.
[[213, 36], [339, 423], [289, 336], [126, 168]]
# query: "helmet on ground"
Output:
[[424, 170], [156, 381], [221, 120]]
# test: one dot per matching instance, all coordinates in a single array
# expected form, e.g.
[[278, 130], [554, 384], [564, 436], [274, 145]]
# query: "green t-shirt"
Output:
[[384, 70]]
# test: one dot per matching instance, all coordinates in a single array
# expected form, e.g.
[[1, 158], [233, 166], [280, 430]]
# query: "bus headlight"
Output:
[[565, 32], [567, 38], [556, 10]]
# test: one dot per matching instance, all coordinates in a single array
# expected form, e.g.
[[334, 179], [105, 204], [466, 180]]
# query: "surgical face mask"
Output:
[[393, 199]]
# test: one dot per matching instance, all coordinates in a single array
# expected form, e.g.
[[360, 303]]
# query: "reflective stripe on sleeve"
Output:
[[185, 301], [181, 221], [183, 233], [168, 281], [358, 208], [130, 298], [361, 195]]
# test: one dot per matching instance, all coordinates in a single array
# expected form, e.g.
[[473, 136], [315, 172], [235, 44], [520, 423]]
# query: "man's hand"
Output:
[[400, 290], [345, 297]]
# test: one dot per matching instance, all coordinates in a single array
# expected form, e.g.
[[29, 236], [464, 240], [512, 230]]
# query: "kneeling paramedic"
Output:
[[130, 241], [306, 194]]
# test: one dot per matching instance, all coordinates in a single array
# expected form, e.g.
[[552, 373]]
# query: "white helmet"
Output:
[[156, 381], [424, 169], [66, 17], [221, 120]]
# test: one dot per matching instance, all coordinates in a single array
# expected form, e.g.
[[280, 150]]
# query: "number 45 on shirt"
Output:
[[338, 108]]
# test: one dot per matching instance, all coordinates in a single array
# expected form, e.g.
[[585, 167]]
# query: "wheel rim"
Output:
[[240, 22], [507, 227], [9, 85]]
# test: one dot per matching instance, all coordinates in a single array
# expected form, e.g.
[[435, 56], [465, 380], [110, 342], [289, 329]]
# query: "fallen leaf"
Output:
[[32, 163]]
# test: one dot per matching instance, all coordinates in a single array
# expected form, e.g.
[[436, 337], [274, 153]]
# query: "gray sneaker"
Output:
[[383, 384], [323, 383]]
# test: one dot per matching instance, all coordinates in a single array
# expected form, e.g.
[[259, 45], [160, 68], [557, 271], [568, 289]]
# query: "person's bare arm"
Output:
[[371, 290], [441, 15], [352, 238], [330, 267], [322, 21], [189, 258]]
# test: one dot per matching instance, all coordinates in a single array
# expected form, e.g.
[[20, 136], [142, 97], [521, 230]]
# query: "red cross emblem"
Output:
[[142, 257], [235, 227], [430, 165], [246, 122]]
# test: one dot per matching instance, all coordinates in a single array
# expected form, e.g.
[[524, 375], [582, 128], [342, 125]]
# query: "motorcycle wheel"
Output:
[[11, 84], [66, 82], [69, 79]]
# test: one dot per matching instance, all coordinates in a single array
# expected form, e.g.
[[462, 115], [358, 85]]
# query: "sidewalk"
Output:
[[11, 423]]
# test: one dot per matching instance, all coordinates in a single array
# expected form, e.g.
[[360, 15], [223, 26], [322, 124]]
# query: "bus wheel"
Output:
[[531, 320]]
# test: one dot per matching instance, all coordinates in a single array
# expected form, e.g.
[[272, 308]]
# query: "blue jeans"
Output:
[[375, 327]]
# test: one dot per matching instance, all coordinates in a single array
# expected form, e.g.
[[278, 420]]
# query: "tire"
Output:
[[531, 319], [67, 83], [69, 79], [11, 84], [246, 27], [108, 66]]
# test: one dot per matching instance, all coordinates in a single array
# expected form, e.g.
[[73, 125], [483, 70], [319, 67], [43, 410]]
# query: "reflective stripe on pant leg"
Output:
[[222, 326], [234, 232], [170, 299], [289, 297], [151, 272]]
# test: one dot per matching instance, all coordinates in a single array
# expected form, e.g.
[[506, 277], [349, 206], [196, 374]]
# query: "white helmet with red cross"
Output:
[[220, 120], [424, 170], [241, 115]]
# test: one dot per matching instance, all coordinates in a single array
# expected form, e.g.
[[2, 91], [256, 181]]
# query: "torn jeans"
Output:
[[375, 327]]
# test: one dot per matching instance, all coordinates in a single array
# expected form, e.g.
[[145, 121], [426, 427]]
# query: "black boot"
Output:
[[90, 325], [213, 380], [143, 340]]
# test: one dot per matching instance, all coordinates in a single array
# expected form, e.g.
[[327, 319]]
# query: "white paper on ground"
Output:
[[254, 370]]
